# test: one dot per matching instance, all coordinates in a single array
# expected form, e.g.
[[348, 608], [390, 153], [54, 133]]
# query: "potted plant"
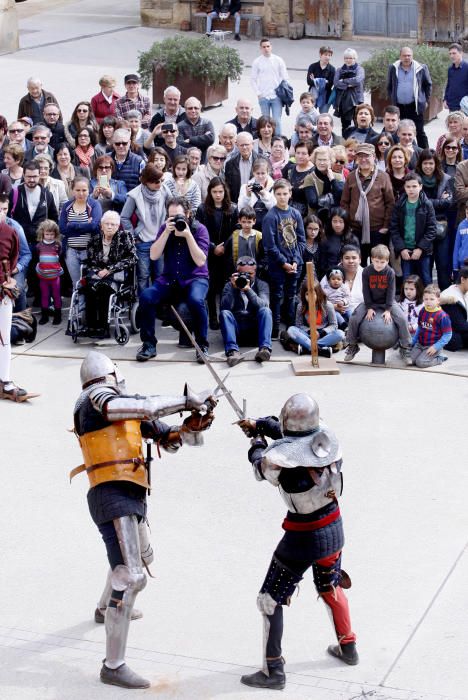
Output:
[[199, 67], [376, 67]]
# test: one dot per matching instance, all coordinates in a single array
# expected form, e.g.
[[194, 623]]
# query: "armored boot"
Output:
[[275, 679]]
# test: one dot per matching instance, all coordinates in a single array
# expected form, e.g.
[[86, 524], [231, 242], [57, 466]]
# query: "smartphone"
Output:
[[168, 126], [103, 181]]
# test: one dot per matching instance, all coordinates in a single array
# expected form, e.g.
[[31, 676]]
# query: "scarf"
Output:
[[84, 156], [154, 205], [362, 212], [429, 181]]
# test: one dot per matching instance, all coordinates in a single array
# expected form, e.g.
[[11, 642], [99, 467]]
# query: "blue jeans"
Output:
[[443, 261], [303, 338], [283, 289], [246, 328], [211, 15], [146, 268], [275, 106], [194, 295], [75, 257], [421, 267], [21, 301]]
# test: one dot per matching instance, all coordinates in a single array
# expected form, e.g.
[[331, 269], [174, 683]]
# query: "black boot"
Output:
[[44, 317], [57, 317], [276, 679], [345, 652]]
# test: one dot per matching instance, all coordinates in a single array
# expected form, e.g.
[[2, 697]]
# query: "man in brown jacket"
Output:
[[32, 104], [368, 198]]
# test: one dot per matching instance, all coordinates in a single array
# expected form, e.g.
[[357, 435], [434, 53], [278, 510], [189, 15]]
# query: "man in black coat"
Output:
[[238, 170]]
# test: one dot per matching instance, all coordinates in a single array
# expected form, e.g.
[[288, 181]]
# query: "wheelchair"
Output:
[[122, 313]]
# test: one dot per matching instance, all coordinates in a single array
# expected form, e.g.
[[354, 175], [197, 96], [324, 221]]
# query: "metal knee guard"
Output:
[[327, 578], [130, 579], [278, 587]]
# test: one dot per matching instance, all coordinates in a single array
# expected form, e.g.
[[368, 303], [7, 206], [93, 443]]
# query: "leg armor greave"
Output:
[[127, 580], [278, 587]]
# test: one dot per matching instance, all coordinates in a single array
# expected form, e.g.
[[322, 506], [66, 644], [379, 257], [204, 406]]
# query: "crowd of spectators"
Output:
[[225, 222]]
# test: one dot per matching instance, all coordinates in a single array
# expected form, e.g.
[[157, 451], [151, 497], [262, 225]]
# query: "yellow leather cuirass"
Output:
[[114, 453]]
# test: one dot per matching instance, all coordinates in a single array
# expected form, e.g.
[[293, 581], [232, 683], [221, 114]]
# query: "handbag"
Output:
[[441, 230]]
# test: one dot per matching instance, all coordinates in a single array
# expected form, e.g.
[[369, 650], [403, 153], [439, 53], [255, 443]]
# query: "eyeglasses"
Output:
[[51, 114], [16, 131], [121, 143], [451, 148], [83, 109], [39, 138], [104, 167], [218, 157], [197, 108]]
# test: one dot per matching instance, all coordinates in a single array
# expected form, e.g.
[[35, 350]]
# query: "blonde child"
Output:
[[49, 269], [308, 113]]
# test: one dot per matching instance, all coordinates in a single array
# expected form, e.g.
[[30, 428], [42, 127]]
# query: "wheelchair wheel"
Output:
[[134, 317], [74, 330], [121, 334]]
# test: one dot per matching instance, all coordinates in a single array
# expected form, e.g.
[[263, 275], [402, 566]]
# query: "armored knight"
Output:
[[110, 425], [304, 463]]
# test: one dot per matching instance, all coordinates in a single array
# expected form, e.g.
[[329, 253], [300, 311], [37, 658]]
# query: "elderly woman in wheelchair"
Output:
[[107, 283]]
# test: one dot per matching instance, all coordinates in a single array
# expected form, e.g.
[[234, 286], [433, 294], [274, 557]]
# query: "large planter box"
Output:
[[433, 108], [209, 95]]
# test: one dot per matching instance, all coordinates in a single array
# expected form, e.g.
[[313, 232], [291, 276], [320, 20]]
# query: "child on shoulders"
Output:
[[308, 113], [246, 242], [378, 289]]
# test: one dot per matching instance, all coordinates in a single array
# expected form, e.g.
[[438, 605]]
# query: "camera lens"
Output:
[[179, 222], [241, 281]]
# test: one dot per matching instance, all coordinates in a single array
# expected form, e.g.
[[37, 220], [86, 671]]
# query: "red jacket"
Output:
[[9, 249], [101, 106]]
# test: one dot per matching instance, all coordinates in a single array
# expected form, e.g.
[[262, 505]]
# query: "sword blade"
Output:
[[231, 400]]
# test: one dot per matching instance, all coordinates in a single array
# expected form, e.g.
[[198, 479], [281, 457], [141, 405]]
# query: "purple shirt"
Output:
[[179, 267]]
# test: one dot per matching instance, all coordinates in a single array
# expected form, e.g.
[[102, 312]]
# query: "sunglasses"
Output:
[[40, 138], [340, 162], [16, 131], [247, 262], [83, 109], [121, 143], [218, 157], [384, 143], [104, 167], [451, 148]]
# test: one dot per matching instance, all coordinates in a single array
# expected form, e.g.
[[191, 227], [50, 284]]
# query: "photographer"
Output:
[[184, 244], [245, 316]]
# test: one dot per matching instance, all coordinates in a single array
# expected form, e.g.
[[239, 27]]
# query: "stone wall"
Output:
[[163, 13]]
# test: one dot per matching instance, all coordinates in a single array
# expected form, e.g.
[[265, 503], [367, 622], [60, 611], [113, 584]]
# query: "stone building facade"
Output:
[[441, 22]]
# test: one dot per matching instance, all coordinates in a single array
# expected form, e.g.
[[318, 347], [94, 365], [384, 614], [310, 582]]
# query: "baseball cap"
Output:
[[132, 78], [26, 120], [366, 148]]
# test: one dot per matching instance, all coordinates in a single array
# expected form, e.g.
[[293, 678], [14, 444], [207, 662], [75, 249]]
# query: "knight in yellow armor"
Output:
[[110, 425]]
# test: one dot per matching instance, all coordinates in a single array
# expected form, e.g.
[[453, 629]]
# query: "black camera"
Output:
[[242, 280], [180, 222], [256, 187]]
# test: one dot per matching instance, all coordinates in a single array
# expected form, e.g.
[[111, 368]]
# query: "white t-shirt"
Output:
[[267, 73]]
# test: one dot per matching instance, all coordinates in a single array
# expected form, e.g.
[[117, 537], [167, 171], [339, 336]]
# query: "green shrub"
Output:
[[376, 67], [200, 58]]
